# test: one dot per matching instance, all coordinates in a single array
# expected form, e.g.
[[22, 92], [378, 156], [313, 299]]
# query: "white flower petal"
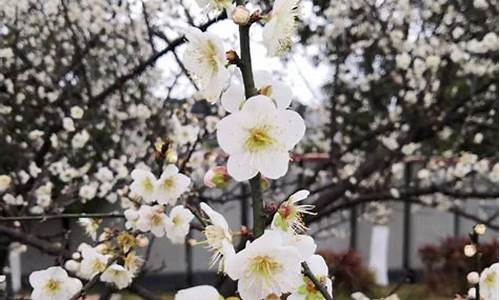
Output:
[[295, 126], [273, 164], [230, 133], [202, 292], [238, 166], [233, 98], [299, 195]]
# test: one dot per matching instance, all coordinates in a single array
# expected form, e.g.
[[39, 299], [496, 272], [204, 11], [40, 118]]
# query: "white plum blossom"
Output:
[[117, 275], [205, 59], [488, 283], [217, 232], [90, 225], [5, 181], [288, 217], [307, 291], [53, 284], [177, 224], [258, 138], [13, 200], [132, 261], [170, 185], [277, 34], [144, 184], [152, 218], [76, 112], [265, 267], [233, 98], [201, 292], [132, 217], [92, 262], [304, 244], [80, 139], [403, 60], [215, 5], [88, 191], [68, 124]]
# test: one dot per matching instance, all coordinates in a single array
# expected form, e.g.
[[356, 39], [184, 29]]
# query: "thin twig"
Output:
[[317, 284], [63, 216]]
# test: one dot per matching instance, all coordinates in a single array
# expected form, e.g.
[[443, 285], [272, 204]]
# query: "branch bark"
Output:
[[317, 284]]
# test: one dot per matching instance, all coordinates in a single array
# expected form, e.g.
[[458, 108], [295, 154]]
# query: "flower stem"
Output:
[[259, 220], [245, 62]]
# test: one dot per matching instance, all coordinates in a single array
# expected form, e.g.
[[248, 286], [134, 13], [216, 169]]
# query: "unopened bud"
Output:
[[240, 15], [142, 241], [480, 229], [171, 156], [473, 278], [217, 177], [72, 265], [470, 250], [76, 255]]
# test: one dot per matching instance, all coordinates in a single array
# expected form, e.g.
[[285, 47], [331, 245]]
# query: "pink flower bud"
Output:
[[217, 177]]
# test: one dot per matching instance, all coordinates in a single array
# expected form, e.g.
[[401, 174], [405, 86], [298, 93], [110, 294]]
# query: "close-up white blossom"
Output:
[[205, 59], [53, 283], [177, 224], [488, 282], [265, 267], [258, 139], [204, 292], [277, 34], [170, 185], [152, 218], [117, 275]]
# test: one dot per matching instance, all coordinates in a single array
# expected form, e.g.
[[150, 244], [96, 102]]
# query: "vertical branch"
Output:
[[259, 220], [245, 65]]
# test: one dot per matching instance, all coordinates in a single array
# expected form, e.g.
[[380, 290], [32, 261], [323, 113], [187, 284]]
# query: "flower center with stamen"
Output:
[[148, 185], [264, 266], [266, 90], [215, 235], [490, 279], [287, 211], [52, 286], [98, 266], [259, 139], [168, 183], [156, 220], [210, 54], [176, 220]]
